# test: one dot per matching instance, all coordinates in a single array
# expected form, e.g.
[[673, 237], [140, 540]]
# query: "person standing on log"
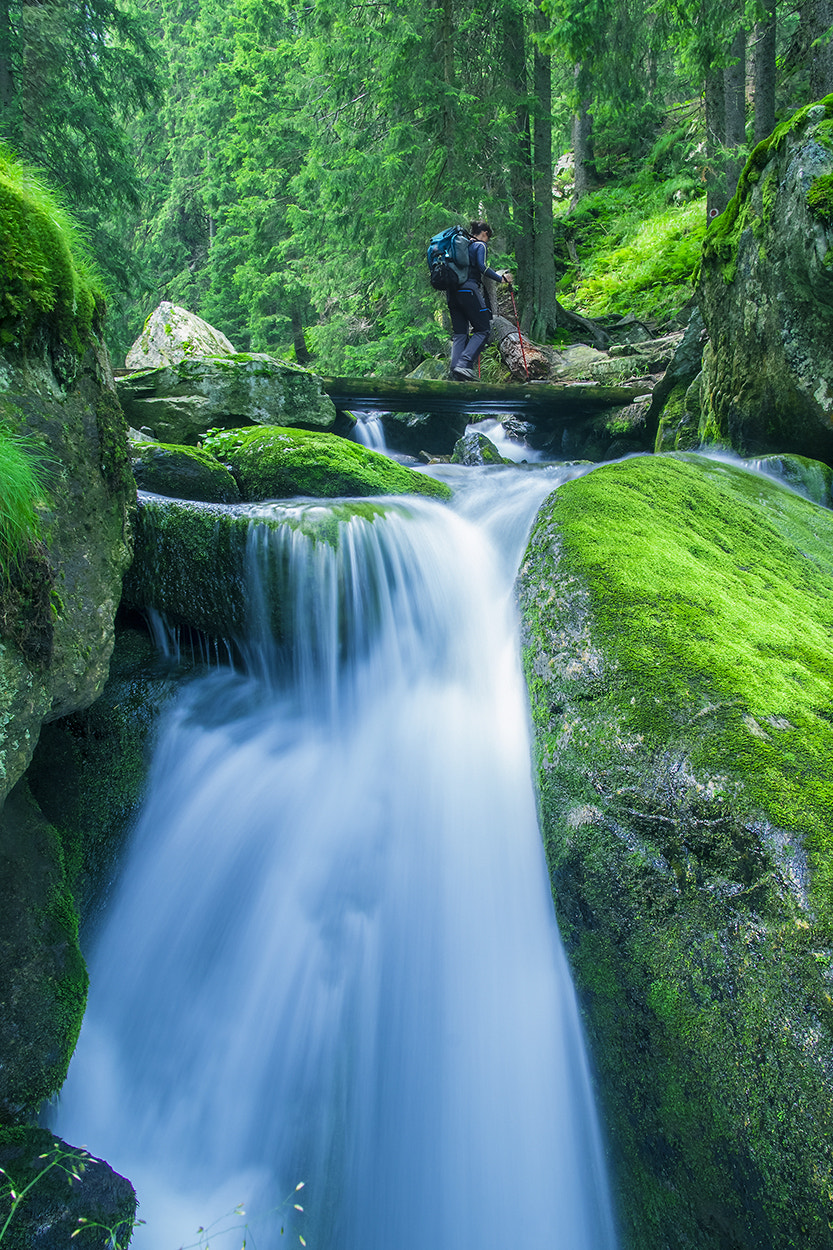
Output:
[[468, 307]]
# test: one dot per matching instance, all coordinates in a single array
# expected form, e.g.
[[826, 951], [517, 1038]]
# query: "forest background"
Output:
[[277, 166]]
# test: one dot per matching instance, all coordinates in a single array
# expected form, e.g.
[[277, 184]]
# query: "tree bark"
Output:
[[582, 129], [514, 43], [817, 18], [715, 100], [522, 358], [543, 316], [302, 352], [6, 74], [765, 73], [734, 87]]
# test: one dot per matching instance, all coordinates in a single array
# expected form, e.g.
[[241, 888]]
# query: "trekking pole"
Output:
[[518, 324]]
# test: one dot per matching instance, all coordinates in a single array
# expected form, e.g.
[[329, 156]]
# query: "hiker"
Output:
[[468, 306]]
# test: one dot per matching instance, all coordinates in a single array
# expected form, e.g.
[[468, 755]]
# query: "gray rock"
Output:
[[172, 334], [766, 293], [180, 403], [475, 448]]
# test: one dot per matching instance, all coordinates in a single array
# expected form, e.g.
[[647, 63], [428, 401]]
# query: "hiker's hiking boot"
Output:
[[461, 374]]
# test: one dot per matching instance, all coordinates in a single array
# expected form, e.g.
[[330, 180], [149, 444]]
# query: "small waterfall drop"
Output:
[[333, 957]]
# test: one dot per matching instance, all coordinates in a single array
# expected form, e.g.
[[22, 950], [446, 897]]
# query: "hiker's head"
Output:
[[477, 228]]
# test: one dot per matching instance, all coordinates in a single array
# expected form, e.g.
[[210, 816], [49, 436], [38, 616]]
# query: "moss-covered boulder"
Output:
[[678, 629], [74, 1199], [171, 334], [56, 388], [181, 472], [179, 403], [278, 464], [193, 561], [57, 611], [475, 448], [766, 294]]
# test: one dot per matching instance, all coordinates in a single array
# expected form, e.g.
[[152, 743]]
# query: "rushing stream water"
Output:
[[333, 957]]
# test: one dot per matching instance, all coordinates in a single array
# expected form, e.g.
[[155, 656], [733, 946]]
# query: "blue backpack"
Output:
[[448, 259]]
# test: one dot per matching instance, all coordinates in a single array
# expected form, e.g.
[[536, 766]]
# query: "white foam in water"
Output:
[[333, 956]]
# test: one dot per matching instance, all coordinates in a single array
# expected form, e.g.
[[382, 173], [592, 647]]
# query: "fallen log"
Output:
[[529, 361]]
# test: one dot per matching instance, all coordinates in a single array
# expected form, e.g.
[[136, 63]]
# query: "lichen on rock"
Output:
[[677, 630], [172, 334]]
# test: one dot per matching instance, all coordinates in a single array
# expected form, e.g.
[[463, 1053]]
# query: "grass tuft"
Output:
[[22, 475]]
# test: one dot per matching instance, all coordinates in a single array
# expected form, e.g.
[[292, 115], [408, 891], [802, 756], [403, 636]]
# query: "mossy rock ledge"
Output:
[[677, 620], [56, 628], [280, 463], [766, 294]]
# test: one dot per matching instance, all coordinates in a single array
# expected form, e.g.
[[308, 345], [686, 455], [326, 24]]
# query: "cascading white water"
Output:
[[333, 956]]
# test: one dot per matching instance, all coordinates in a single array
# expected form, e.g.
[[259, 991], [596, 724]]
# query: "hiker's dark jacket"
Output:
[[477, 265]]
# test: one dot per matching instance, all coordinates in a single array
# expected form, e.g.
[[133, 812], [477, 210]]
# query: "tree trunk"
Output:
[[302, 352], [582, 129], [543, 316], [514, 45], [6, 76], [765, 73], [715, 99], [734, 86], [445, 39], [817, 18]]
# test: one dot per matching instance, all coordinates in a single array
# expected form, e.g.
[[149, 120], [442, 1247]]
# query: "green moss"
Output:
[[734, 607], [820, 197], [269, 462], [50, 286], [679, 618]]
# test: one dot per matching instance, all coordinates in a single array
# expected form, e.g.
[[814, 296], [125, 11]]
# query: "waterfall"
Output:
[[332, 957]]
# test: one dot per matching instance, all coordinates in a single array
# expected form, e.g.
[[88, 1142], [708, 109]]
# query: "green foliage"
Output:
[[73, 73], [638, 253], [22, 478]]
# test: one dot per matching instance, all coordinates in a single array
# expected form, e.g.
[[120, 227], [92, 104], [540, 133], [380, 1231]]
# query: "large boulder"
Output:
[[179, 403], [57, 610], [278, 463], [678, 627], [766, 294], [56, 389], [172, 334]]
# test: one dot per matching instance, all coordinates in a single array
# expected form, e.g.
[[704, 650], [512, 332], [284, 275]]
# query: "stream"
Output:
[[332, 956]]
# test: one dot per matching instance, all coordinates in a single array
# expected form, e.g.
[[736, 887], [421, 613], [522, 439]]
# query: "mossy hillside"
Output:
[[677, 627], [272, 463], [50, 289]]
